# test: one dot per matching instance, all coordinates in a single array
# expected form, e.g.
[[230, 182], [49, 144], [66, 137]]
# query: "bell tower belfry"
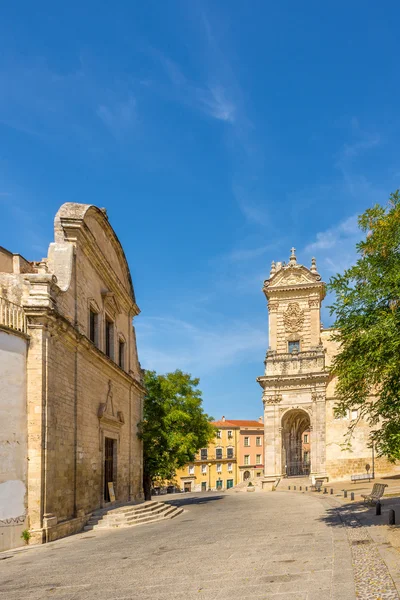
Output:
[[295, 378]]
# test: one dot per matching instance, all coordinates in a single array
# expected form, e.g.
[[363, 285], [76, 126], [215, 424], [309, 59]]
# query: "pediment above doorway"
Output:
[[107, 413]]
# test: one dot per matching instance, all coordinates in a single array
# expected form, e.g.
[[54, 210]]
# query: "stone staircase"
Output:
[[243, 485], [131, 515]]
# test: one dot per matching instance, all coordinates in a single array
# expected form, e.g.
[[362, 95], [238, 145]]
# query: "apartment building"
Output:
[[227, 460]]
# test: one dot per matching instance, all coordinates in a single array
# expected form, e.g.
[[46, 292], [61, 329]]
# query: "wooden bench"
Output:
[[377, 492], [361, 477], [275, 484], [316, 487]]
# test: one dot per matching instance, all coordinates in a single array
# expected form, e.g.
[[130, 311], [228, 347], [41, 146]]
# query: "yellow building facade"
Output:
[[215, 467]]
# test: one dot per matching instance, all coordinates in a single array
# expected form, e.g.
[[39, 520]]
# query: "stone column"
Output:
[[37, 421], [272, 327], [314, 304], [318, 434]]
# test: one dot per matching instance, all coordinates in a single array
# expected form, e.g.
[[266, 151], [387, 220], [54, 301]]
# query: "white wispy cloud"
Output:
[[247, 253], [211, 98], [254, 211], [38, 101], [352, 150], [217, 104], [166, 344], [334, 235], [335, 248], [361, 141], [120, 117]]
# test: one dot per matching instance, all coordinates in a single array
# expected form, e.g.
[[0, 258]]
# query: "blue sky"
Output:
[[217, 135]]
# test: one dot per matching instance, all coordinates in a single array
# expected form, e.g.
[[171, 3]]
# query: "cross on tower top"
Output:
[[293, 259]]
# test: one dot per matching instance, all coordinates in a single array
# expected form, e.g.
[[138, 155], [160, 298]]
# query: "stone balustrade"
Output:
[[12, 315], [292, 363]]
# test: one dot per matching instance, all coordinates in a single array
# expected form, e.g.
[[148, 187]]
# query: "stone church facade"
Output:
[[80, 382], [298, 389]]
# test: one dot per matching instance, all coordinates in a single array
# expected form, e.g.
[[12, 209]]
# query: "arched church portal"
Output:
[[296, 450]]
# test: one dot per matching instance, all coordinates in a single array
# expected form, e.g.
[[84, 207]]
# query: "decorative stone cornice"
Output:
[[57, 324], [70, 226], [273, 306], [290, 382], [293, 277]]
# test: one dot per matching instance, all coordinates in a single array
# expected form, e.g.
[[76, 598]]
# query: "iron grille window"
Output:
[[294, 346], [229, 453], [93, 318], [121, 354], [109, 349], [203, 454], [218, 453]]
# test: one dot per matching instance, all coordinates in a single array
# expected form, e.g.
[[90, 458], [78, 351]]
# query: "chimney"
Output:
[[223, 419], [260, 420]]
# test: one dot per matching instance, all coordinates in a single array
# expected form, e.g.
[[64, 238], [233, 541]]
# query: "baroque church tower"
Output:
[[296, 377], [302, 434]]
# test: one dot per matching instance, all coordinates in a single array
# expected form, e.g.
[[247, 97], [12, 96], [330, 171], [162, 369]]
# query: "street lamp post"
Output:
[[209, 477]]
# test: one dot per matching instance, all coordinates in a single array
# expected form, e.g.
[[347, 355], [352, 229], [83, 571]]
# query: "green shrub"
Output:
[[26, 535]]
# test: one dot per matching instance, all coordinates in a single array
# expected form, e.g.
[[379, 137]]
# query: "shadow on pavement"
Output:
[[366, 514], [185, 500]]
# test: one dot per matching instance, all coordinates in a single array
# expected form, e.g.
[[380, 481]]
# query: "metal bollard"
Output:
[[331, 490], [352, 496], [378, 509], [300, 488], [392, 517], [288, 487], [294, 487], [344, 493], [325, 490], [306, 488]]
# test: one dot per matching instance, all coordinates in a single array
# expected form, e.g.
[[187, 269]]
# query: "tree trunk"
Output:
[[147, 485]]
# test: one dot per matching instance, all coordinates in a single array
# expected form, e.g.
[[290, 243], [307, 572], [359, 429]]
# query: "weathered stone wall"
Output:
[[13, 438], [76, 395]]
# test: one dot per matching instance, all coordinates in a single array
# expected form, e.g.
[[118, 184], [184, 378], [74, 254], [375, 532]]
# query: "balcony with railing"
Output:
[[212, 456], [12, 315], [294, 363]]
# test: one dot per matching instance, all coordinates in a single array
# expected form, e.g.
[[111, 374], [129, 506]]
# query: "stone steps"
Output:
[[132, 515]]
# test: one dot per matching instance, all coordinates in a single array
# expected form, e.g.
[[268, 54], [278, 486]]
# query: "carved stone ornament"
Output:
[[313, 303], [106, 409], [276, 399], [318, 396], [293, 318], [273, 305]]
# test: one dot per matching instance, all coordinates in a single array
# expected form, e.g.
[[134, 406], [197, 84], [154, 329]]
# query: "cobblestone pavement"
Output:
[[372, 578], [277, 546]]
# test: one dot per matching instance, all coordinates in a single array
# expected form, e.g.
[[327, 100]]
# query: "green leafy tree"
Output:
[[174, 425], [367, 314]]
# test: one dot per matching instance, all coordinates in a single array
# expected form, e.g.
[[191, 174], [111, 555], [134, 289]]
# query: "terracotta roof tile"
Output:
[[238, 423]]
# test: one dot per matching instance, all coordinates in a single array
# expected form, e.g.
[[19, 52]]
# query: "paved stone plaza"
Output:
[[237, 545]]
